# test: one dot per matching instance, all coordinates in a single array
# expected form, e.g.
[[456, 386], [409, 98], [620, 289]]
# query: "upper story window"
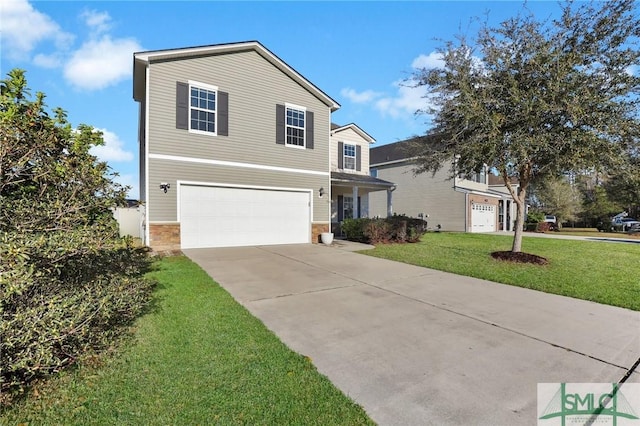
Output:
[[349, 156], [203, 108], [349, 153], [295, 126], [373, 173], [478, 177]]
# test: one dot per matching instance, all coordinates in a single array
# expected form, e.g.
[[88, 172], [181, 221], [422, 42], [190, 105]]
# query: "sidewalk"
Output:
[[555, 235]]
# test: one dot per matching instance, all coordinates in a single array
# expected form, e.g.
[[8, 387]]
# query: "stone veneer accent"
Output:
[[316, 230], [164, 236]]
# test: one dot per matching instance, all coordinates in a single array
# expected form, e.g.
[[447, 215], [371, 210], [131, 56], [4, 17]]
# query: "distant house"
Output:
[[234, 148], [478, 203], [351, 182]]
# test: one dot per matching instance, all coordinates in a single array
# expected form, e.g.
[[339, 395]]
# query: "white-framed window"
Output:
[[295, 125], [373, 173], [202, 108], [349, 157], [347, 207]]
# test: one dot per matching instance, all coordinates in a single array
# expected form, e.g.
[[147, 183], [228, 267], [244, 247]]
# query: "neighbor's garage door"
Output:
[[483, 218], [227, 217]]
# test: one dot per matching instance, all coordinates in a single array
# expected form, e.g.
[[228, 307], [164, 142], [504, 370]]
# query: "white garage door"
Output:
[[227, 217], [483, 218]]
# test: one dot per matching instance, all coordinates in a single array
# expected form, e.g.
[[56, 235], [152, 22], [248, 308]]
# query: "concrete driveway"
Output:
[[416, 346]]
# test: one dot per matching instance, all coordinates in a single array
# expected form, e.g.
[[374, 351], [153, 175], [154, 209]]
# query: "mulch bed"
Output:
[[519, 257]]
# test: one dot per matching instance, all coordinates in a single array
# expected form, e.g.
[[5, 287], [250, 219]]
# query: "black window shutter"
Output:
[[340, 208], [359, 208], [182, 106], [280, 124], [340, 155], [223, 113], [309, 129], [358, 155]]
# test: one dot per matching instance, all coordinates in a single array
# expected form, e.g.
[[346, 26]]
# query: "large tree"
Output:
[[623, 185], [598, 206], [560, 198], [533, 99]]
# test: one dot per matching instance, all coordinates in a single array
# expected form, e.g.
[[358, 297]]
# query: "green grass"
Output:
[[601, 272], [592, 232], [197, 358]]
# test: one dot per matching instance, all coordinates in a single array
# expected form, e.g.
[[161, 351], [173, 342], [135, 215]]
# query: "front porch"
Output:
[[350, 196]]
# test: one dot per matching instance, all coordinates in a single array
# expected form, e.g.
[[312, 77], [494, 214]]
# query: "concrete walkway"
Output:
[[416, 346]]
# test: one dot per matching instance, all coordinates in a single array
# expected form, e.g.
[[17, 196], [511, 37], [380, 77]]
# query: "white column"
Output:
[[356, 213], [389, 203]]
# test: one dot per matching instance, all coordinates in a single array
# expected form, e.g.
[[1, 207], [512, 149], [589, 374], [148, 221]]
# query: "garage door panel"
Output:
[[483, 218], [226, 217]]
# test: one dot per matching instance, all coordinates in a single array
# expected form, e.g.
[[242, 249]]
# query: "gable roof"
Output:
[[142, 59], [390, 153], [335, 128]]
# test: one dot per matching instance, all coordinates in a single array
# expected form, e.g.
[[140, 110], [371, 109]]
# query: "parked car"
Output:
[[552, 221], [621, 222], [627, 224]]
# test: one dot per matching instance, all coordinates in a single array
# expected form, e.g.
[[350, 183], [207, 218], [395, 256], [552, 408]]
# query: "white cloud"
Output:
[[112, 150], [98, 22], [23, 28], [405, 102], [53, 60], [101, 63], [432, 60], [359, 98], [406, 99]]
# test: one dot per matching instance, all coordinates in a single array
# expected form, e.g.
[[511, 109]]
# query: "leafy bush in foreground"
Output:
[[396, 228], [68, 282]]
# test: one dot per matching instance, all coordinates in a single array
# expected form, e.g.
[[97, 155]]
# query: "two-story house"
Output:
[[351, 182], [234, 148], [465, 203]]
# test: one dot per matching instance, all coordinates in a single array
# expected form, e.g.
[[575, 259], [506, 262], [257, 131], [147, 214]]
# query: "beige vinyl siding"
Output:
[[165, 205], [434, 196], [255, 86], [348, 136]]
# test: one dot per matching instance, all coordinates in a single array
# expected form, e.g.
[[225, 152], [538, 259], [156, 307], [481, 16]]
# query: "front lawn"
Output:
[[198, 358], [601, 272]]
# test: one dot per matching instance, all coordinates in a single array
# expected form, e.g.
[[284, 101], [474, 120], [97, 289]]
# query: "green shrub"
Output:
[[353, 229], [531, 227], [68, 282], [62, 293], [397, 228], [377, 231], [535, 217]]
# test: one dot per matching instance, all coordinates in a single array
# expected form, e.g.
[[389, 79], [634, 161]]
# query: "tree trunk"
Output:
[[519, 198], [519, 225]]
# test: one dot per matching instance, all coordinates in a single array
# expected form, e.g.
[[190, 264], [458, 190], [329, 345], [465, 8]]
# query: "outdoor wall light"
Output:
[[165, 186], [321, 192]]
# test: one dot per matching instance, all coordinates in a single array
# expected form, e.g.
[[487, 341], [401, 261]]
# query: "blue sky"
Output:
[[79, 53]]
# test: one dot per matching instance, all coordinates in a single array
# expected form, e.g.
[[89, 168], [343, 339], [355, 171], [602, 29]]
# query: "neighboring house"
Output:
[[351, 182], [470, 204], [234, 145]]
